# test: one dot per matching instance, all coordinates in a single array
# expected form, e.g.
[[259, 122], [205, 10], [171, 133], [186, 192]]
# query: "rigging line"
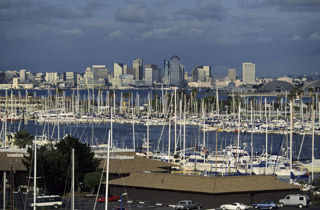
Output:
[[83, 132], [160, 138], [304, 134], [95, 202]]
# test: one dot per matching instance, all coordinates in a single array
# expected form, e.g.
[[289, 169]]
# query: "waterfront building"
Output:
[[201, 73], [248, 73], [232, 74], [88, 78], [9, 75], [176, 71], [51, 77], [138, 69], [118, 70], [166, 76], [151, 74], [100, 74], [22, 75], [70, 79]]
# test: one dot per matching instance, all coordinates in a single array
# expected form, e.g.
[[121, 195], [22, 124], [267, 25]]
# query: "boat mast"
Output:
[[175, 120], [72, 180], [35, 175], [107, 171], [251, 137], [266, 116], [312, 156], [291, 130]]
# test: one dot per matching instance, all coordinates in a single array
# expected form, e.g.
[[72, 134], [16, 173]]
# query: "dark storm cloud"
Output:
[[211, 10], [40, 11], [285, 5], [133, 12]]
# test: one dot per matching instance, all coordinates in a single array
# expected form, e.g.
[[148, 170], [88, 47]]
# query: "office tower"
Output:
[[151, 74], [88, 78], [99, 71], [100, 74], [201, 73], [138, 69], [117, 70], [166, 76], [69, 78], [176, 71], [232, 74], [51, 77], [23, 75], [248, 73]]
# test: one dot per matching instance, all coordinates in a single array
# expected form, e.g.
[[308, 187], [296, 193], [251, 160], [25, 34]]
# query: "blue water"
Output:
[[123, 138]]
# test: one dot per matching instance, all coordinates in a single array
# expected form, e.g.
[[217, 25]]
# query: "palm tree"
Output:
[[23, 139]]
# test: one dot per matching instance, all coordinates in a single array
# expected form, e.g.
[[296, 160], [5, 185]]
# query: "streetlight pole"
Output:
[[121, 198]]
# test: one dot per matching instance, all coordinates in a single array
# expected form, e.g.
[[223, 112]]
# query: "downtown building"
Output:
[[173, 72], [248, 73]]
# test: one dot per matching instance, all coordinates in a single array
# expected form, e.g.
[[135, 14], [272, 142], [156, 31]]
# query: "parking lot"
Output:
[[87, 203]]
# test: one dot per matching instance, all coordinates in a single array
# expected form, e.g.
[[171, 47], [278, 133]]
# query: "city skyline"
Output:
[[280, 37]]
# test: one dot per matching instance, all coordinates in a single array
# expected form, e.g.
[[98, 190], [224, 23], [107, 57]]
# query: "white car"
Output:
[[234, 206]]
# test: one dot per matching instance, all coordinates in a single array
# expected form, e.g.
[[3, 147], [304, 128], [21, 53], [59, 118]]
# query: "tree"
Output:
[[91, 180], [54, 164], [23, 139]]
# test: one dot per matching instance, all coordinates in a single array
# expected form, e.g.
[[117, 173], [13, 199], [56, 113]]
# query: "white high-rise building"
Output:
[[248, 73], [23, 75], [118, 70]]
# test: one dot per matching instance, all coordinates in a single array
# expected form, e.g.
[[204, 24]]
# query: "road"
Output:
[[87, 203]]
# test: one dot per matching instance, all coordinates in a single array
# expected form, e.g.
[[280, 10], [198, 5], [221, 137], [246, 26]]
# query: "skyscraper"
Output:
[[248, 73], [166, 76], [23, 75], [201, 73], [138, 69], [117, 70], [232, 74], [176, 71], [151, 73]]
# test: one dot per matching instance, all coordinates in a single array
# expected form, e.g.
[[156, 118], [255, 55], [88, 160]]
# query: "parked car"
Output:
[[234, 206], [265, 205], [295, 200], [111, 198], [188, 204]]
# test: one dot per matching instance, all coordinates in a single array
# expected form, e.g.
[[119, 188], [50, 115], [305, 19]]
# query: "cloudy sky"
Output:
[[281, 36]]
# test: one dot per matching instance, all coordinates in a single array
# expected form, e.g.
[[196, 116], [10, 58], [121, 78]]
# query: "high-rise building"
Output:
[[151, 74], [23, 75], [51, 77], [248, 73], [232, 74], [166, 76], [201, 74], [117, 70], [100, 73], [138, 69], [176, 71], [69, 78]]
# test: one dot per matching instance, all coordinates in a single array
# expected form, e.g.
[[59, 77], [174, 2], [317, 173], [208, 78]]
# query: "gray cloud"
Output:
[[211, 10], [284, 5], [137, 13], [40, 11]]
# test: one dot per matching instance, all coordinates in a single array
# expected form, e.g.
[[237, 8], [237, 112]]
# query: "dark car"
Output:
[[264, 205], [119, 208], [188, 204], [111, 198]]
